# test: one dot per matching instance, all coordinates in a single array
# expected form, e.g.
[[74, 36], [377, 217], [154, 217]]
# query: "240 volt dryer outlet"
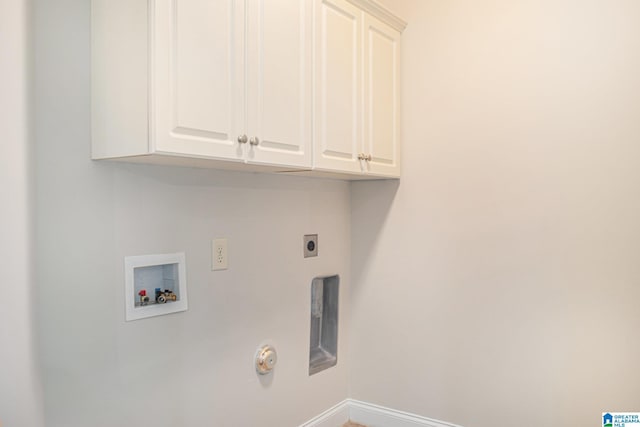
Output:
[[310, 245]]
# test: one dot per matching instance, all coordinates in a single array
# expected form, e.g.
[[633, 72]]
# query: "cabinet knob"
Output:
[[254, 141], [361, 156], [368, 157], [242, 139]]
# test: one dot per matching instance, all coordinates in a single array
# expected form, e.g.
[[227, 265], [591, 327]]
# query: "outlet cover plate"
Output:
[[219, 255], [310, 245]]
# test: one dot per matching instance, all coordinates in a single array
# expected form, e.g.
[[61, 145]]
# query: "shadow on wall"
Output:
[[371, 203], [205, 177]]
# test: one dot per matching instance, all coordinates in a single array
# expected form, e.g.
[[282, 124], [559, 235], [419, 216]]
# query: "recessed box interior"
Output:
[[323, 345], [155, 285]]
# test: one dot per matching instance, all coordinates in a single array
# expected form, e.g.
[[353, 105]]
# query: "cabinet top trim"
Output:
[[376, 9]]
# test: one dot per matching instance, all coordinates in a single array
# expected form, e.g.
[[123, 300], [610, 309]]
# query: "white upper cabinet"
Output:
[[357, 96], [197, 72], [227, 80], [233, 81], [338, 97], [381, 143], [295, 85], [279, 54]]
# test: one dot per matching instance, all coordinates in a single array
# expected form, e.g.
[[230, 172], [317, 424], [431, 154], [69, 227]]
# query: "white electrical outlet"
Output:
[[219, 256]]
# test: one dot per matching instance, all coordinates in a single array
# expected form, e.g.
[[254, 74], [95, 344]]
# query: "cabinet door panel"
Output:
[[279, 81], [198, 52], [381, 133], [338, 91]]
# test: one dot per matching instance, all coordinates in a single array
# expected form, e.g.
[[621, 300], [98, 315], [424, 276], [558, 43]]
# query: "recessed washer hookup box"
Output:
[[155, 285]]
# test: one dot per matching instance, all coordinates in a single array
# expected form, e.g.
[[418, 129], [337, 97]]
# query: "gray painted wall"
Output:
[[193, 368]]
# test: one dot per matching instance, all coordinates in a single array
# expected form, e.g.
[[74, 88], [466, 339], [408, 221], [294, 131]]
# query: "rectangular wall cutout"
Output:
[[155, 285], [323, 346]]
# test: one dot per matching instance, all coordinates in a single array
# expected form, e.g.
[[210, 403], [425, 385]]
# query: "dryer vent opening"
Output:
[[323, 345]]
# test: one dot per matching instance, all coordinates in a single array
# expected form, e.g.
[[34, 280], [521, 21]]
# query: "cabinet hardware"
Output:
[[242, 139], [254, 141]]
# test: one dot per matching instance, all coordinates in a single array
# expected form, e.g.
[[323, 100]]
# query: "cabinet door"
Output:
[[279, 44], [338, 86], [197, 96], [381, 99]]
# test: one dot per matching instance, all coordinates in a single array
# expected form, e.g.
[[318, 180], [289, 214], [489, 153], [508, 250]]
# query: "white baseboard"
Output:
[[378, 416], [371, 415], [332, 417]]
